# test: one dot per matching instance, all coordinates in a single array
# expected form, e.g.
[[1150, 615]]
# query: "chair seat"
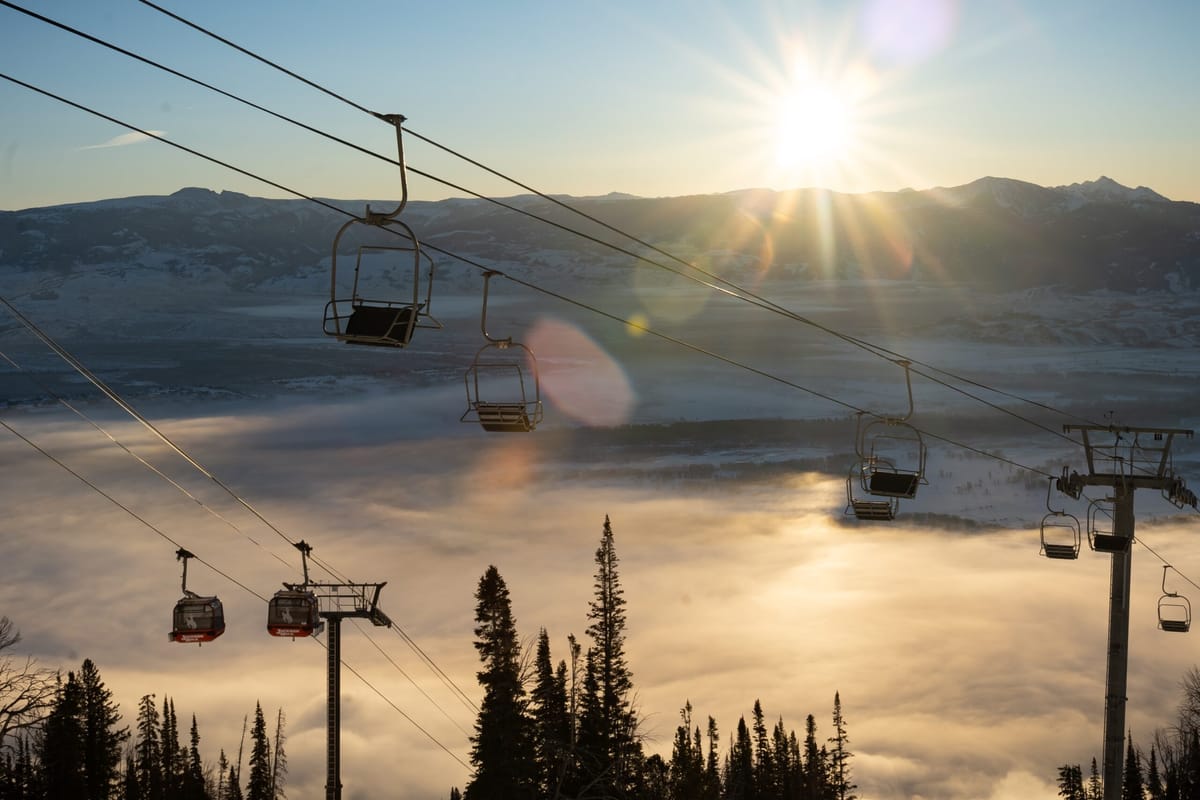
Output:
[[387, 326], [893, 484], [1064, 551], [503, 417], [873, 509]]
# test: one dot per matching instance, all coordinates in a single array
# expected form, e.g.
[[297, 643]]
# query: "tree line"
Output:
[[63, 740], [1169, 769], [571, 731]]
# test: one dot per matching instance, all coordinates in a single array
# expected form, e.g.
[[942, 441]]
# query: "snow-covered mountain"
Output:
[[992, 232]]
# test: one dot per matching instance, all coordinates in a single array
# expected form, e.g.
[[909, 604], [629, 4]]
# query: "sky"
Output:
[[956, 681], [653, 99]]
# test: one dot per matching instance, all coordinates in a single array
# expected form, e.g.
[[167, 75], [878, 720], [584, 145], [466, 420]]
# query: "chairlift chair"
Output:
[[356, 318], [1174, 610], [359, 319], [294, 610], [864, 508], [1061, 535], [499, 397], [196, 618], [1101, 535], [892, 452]]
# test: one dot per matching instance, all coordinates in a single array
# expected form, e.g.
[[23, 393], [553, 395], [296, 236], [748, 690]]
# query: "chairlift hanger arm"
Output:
[[374, 218], [908, 384], [487, 279]]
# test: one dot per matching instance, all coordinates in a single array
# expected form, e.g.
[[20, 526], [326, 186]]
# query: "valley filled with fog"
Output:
[[950, 640]]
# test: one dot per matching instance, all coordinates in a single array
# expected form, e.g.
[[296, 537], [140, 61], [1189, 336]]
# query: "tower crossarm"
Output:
[[1136, 458], [342, 600]]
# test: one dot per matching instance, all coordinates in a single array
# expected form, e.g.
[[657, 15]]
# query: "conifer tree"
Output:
[[102, 737], [130, 790], [62, 750], [739, 769], [222, 776], [764, 771], [839, 758], [148, 750], [784, 783], [502, 746], [685, 773], [551, 721], [233, 785], [608, 726], [1070, 782], [1095, 789], [172, 771], [1132, 787], [1154, 786], [258, 787], [193, 784], [712, 768], [815, 779], [652, 780]]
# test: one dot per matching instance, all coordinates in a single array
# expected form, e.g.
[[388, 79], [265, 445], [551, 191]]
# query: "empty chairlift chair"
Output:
[[196, 618], [1174, 610], [891, 461], [865, 507], [1101, 529], [503, 392], [294, 610], [370, 310], [1061, 535]]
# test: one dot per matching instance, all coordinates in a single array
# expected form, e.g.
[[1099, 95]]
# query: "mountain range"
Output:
[[995, 233]]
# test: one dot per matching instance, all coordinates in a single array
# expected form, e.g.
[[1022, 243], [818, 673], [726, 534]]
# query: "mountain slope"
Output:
[[993, 232]]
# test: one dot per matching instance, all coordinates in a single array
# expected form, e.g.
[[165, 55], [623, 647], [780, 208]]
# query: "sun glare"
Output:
[[815, 128]]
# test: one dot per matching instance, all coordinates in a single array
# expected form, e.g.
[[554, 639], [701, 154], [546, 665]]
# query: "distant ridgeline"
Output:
[[995, 232]]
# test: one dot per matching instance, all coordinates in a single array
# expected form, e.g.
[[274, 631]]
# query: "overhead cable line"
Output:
[[733, 289], [178, 486], [534, 287], [400, 669], [630, 323], [91, 485], [523, 283], [111, 394]]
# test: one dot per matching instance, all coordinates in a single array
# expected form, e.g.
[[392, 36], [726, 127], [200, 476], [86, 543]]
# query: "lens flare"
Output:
[[578, 376]]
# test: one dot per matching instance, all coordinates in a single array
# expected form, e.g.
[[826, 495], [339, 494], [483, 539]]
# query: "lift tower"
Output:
[[1136, 458], [341, 601]]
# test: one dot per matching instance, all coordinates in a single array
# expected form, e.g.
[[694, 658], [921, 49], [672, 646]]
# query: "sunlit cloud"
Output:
[[125, 139], [967, 665]]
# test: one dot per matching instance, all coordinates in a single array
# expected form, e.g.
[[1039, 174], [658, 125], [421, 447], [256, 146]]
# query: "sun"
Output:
[[815, 127]]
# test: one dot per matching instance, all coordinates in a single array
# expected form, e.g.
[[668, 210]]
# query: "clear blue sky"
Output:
[[650, 98]]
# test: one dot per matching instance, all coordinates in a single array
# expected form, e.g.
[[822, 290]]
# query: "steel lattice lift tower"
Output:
[[341, 601], [1137, 458]]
